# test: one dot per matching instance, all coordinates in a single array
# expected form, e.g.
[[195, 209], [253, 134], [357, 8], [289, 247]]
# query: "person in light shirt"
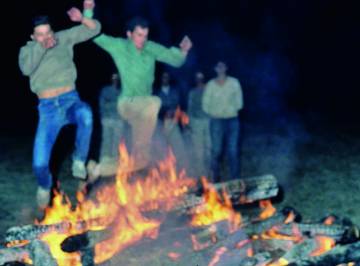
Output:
[[222, 100]]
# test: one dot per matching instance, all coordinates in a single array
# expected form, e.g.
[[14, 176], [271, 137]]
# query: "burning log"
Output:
[[213, 233], [13, 254], [258, 227], [339, 254], [297, 253], [335, 231], [250, 189], [240, 191], [85, 241], [36, 252], [222, 230], [258, 259], [32, 232]]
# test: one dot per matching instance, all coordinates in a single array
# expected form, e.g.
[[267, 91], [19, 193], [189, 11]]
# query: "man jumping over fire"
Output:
[[135, 59], [48, 61]]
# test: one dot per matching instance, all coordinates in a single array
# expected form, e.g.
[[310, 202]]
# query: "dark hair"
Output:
[[136, 21], [40, 20]]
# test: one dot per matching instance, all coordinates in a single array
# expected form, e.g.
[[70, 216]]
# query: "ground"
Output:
[[318, 169]]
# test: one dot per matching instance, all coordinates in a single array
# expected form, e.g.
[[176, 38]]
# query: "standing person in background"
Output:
[[199, 127], [222, 100], [112, 125]]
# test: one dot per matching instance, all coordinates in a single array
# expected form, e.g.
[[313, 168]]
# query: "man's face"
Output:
[[165, 79], [138, 36], [220, 68], [42, 33], [199, 77]]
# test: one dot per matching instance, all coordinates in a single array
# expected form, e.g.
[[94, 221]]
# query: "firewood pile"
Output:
[[259, 237]]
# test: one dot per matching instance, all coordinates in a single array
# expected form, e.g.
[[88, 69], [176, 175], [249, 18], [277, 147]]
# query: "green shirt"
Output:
[[54, 68], [137, 67]]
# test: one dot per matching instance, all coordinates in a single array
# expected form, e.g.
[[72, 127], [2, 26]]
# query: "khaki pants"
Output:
[[141, 113]]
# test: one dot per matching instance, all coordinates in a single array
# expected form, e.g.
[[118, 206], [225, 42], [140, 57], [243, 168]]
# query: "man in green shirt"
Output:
[[135, 59]]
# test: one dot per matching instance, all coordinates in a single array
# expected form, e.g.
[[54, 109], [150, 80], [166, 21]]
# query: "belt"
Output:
[[50, 93]]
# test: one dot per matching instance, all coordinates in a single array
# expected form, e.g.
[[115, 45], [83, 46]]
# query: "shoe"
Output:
[[78, 169], [93, 169], [137, 166], [42, 197]]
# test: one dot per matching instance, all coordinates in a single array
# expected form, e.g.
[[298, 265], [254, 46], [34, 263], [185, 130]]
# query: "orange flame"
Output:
[[324, 243], [329, 220], [117, 208], [290, 218], [268, 209], [279, 262], [250, 252], [273, 234], [181, 116], [218, 253], [214, 209]]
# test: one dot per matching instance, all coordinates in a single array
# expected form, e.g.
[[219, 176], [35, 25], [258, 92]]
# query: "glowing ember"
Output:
[[290, 218], [273, 234], [181, 116], [324, 244], [329, 220], [217, 256], [242, 243], [267, 209], [250, 252]]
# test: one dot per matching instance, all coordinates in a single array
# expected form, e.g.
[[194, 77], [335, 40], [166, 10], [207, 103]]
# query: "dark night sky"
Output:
[[290, 55]]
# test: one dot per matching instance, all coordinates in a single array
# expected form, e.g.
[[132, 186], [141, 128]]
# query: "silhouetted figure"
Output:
[[199, 128], [112, 125]]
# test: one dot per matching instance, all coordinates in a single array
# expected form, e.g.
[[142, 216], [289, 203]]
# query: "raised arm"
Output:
[[89, 27], [106, 42]]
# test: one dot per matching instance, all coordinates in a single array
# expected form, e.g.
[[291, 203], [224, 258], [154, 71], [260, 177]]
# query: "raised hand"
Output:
[[89, 4], [185, 44], [75, 14], [49, 42]]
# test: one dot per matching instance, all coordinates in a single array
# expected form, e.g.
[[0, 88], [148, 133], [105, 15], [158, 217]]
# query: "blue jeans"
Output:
[[54, 113], [224, 134]]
